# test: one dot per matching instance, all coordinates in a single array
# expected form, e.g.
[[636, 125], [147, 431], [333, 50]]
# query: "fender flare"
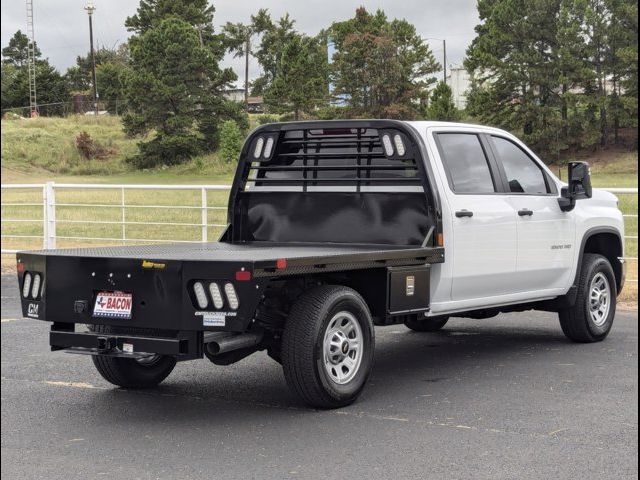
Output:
[[587, 235]]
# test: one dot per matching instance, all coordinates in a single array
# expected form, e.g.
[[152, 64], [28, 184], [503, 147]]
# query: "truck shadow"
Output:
[[407, 366]]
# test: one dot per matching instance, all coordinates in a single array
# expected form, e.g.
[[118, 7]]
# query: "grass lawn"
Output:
[[42, 150]]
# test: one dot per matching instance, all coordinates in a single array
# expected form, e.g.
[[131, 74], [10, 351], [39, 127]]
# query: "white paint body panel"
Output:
[[497, 258]]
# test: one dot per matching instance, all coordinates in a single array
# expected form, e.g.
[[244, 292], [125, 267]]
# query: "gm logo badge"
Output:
[[410, 285], [32, 310]]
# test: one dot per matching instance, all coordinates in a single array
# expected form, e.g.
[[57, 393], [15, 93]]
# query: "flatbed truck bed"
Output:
[[263, 257]]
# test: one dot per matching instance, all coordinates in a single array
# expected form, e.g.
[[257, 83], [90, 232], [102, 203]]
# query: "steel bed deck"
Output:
[[260, 254]]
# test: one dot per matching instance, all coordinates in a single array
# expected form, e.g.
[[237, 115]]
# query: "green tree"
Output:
[[628, 54], [441, 106], [77, 80], [560, 72], [174, 89], [231, 139], [526, 61], [111, 78], [381, 68], [197, 13], [17, 51], [51, 86], [272, 37], [9, 74], [301, 83], [275, 37], [111, 69]]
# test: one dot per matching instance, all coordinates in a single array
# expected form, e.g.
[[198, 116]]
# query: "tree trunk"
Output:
[[565, 114]]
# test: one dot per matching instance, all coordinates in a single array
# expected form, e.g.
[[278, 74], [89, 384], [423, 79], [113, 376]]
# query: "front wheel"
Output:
[[591, 318], [327, 346]]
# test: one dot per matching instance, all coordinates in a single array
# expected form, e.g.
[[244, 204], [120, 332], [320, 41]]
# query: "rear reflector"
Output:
[[281, 263], [20, 267], [243, 276]]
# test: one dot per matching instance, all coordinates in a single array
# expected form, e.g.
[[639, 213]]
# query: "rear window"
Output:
[[466, 163]]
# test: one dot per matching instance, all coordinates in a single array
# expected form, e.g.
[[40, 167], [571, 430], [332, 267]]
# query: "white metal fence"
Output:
[[49, 206]]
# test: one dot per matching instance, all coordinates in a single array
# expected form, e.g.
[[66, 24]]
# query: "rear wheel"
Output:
[[591, 318], [432, 324], [145, 372], [327, 346]]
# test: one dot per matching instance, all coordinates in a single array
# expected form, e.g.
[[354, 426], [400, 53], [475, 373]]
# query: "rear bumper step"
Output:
[[110, 344]]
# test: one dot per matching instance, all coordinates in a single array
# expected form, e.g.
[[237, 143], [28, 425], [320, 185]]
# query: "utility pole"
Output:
[[444, 46], [90, 9], [247, 48]]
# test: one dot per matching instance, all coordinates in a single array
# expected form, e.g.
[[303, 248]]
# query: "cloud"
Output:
[[62, 30]]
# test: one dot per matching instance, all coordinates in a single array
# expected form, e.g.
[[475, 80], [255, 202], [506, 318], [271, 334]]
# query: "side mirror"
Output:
[[579, 186]]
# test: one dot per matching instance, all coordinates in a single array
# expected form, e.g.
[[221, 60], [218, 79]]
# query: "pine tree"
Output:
[[300, 82], [441, 105], [17, 51], [381, 68], [174, 89]]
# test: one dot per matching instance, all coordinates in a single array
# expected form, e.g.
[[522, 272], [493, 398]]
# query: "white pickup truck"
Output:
[[334, 227]]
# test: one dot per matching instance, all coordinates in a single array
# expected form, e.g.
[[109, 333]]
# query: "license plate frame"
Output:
[[113, 304]]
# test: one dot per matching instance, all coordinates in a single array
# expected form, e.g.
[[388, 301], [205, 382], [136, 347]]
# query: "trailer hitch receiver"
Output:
[[106, 343]]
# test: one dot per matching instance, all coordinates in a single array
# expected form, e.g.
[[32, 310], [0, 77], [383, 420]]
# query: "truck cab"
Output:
[[335, 227], [512, 241]]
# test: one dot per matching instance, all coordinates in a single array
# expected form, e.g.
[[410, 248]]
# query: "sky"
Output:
[[62, 31]]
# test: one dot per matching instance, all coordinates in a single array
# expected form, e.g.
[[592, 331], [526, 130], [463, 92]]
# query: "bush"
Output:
[[166, 150], [264, 119], [230, 142], [330, 113], [89, 149]]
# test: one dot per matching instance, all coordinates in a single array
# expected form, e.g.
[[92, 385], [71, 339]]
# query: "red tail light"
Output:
[[243, 276]]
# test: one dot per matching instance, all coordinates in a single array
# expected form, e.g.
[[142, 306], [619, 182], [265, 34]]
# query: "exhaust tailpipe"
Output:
[[219, 343]]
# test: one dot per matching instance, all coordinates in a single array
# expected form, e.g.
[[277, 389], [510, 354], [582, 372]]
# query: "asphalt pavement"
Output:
[[503, 398]]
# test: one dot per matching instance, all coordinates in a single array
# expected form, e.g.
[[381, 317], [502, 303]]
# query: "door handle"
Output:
[[525, 212], [464, 213]]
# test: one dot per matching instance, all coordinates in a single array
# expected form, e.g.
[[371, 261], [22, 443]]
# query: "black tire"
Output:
[[302, 346], [432, 324], [129, 372], [576, 322]]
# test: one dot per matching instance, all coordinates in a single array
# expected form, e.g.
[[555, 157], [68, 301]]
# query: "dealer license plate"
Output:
[[113, 305]]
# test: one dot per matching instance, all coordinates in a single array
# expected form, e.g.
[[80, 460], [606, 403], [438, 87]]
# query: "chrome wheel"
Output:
[[342, 347], [599, 299]]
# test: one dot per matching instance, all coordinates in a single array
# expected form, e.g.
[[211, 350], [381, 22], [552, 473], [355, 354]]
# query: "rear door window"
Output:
[[524, 175], [466, 163]]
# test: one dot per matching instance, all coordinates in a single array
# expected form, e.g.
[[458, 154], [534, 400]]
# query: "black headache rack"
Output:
[[291, 172]]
